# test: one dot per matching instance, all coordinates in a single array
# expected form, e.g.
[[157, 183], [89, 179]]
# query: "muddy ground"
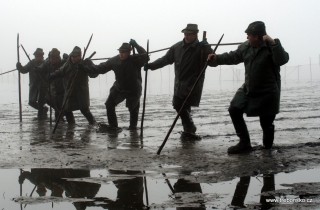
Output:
[[31, 144]]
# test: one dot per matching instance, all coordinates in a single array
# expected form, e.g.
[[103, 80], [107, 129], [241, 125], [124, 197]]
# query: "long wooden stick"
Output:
[[8, 71], [69, 93], [144, 95], [185, 100], [167, 48], [19, 79]]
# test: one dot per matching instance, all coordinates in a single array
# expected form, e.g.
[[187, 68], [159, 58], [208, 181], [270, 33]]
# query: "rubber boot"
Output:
[[187, 122], [268, 137], [240, 126], [112, 117], [134, 118]]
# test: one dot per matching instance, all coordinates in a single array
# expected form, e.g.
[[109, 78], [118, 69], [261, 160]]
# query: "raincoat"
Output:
[[189, 60], [260, 93]]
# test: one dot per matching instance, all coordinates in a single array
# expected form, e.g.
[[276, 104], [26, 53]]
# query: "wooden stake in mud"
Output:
[[185, 100], [144, 94], [19, 79], [71, 88]]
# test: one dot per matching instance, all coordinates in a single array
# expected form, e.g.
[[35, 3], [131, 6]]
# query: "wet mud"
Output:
[[31, 145]]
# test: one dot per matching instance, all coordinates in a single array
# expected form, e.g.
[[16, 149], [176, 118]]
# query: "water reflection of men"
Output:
[[242, 189], [130, 191], [183, 185], [54, 180]]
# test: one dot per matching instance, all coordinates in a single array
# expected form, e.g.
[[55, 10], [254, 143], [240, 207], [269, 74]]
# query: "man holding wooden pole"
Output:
[[189, 57]]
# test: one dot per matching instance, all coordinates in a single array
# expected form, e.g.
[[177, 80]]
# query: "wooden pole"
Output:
[[144, 95], [19, 80], [185, 100]]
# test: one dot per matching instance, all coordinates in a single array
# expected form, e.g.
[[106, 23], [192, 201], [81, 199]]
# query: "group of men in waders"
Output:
[[258, 96]]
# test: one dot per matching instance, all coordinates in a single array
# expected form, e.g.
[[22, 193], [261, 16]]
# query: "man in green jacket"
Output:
[[189, 57], [260, 94]]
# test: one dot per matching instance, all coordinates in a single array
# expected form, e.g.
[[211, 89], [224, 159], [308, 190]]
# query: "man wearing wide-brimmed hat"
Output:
[[127, 85], [260, 94], [189, 57], [35, 81]]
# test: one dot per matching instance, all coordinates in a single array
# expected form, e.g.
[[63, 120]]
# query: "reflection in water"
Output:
[[242, 189], [121, 189], [54, 180], [183, 185], [130, 191]]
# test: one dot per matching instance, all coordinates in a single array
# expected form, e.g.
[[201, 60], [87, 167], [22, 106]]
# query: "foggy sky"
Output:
[[66, 23]]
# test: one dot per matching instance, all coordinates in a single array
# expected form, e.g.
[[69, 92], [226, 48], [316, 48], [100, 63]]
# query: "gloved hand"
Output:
[[133, 43], [146, 67], [19, 66], [203, 43]]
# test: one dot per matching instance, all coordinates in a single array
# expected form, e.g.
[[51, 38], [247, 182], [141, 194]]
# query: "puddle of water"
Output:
[[59, 189]]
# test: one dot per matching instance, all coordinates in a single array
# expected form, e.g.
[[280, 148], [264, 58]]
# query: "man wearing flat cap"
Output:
[[189, 57], [75, 79], [36, 100], [127, 85], [260, 94]]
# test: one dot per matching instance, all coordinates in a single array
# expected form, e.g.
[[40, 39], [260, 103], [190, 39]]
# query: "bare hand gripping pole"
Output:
[[184, 102]]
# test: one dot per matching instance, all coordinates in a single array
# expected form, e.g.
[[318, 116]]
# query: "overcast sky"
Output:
[[66, 23]]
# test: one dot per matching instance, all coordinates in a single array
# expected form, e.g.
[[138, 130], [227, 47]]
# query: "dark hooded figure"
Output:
[[260, 94]]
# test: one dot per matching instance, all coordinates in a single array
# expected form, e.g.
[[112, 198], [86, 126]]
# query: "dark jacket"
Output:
[[127, 72], [189, 60], [35, 80], [79, 96], [260, 93], [56, 92]]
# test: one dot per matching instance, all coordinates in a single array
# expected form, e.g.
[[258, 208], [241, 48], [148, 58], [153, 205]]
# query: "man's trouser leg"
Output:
[[70, 117], [267, 126], [33, 96], [134, 114], [240, 126], [88, 115], [113, 100], [185, 116]]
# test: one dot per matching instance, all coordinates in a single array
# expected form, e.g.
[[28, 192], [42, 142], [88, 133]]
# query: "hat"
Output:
[[191, 28], [39, 51], [256, 28], [55, 52], [125, 47], [76, 51]]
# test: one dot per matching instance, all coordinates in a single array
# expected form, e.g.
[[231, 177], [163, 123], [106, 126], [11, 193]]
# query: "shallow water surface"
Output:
[[59, 189]]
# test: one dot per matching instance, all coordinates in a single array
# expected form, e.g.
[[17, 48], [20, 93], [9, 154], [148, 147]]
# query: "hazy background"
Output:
[[66, 23]]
